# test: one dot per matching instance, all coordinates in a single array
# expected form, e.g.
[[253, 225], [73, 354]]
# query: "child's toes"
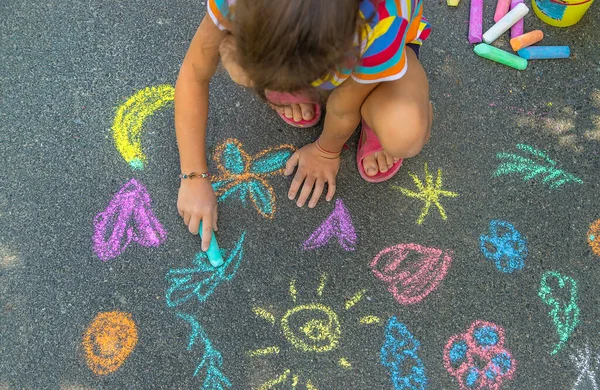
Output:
[[297, 112], [382, 163], [370, 165], [307, 111]]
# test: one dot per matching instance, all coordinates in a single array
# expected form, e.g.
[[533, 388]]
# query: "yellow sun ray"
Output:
[[280, 379], [321, 285], [355, 299], [345, 364], [369, 320], [264, 351], [293, 292], [264, 314], [310, 386], [295, 381]]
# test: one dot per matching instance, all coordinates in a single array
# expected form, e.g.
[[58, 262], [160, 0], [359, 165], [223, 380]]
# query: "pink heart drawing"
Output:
[[411, 281], [128, 217]]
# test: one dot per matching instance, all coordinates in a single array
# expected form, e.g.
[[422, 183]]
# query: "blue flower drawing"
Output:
[[505, 246]]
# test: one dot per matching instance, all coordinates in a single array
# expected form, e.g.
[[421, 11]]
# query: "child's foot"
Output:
[[296, 112], [378, 162]]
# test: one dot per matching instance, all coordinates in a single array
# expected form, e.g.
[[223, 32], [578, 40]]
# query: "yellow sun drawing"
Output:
[[319, 331]]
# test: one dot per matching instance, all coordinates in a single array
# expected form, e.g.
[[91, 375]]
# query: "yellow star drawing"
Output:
[[428, 193]]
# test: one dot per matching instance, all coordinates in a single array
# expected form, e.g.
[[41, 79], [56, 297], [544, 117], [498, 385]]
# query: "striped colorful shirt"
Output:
[[392, 25]]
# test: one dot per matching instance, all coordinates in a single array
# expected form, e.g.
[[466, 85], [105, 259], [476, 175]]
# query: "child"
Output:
[[360, 56]]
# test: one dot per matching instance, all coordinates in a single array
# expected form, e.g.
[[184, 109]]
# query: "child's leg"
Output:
[[400, 113]]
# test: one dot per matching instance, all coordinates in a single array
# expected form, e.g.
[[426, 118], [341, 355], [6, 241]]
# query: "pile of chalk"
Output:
[[521, 43]]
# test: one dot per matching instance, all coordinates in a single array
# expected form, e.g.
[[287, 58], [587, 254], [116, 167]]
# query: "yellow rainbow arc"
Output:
[[127, 126]]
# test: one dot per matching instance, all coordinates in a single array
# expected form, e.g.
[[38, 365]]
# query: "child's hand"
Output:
[[197, 202], [315, 168]]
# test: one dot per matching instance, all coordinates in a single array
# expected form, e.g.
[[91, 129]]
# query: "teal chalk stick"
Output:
[[215, 257], [503, 57], [545, 52]]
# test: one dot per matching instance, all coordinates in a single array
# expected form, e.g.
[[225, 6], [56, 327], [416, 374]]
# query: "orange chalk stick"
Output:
[[525, 40]]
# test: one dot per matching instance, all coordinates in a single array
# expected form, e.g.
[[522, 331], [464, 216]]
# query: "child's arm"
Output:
[[196, 201], [316, 165]]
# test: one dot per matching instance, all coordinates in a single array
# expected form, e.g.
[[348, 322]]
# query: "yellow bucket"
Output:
[[561, 13]]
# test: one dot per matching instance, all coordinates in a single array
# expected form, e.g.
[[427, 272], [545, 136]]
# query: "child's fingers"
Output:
[[330, 189], [206, 232], [319, 185], [186, 218], [309, 183], [291, 164], [214, 219], [296, 183], [194, 224]]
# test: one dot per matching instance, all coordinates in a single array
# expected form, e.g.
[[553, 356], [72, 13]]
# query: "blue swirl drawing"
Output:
[[505, 246], [212, 360], [399, 355], [202, 280]]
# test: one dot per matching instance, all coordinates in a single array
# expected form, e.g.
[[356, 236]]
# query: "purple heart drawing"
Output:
[[339, 225], [128, 217]]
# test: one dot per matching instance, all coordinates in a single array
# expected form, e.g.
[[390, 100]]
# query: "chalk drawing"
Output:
[[128, 217], [478, 359], [529, 169], [594, 237], [588, 366], [339, 225], [201, 280], [108, 341], [127, 126], [411, 281], [564, 314], [505, 246], [212, 360], [430, 193], [399, 354], [244, 176], [309, 328]]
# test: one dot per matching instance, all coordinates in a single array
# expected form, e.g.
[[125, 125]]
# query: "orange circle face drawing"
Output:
[[108, 341], [594, 237]]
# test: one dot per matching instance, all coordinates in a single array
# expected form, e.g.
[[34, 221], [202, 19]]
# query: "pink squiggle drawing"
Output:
[[411, 282], [478, 358], [128, 217], [338, 224]]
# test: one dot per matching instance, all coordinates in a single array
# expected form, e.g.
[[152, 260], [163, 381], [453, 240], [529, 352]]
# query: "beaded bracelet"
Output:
[[194, 175]]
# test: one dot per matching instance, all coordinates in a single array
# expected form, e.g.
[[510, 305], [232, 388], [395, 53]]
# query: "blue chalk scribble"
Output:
[[486, 336], [212, 360], [458, 352], [399, 354], [201, 280], [505, 246]]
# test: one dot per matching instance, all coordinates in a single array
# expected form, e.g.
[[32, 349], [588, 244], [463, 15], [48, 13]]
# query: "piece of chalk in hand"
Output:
[[545, 52], [215, 257], [505, 23], [500, 56]]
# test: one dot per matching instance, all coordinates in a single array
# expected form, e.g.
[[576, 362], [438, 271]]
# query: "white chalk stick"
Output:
[[505, 23]]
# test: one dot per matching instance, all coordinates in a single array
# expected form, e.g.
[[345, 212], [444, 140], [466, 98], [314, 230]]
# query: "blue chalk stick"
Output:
[[544, 52], [214, 252]]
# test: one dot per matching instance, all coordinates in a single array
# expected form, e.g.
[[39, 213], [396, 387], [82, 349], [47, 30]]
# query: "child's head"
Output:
[[285, 45]]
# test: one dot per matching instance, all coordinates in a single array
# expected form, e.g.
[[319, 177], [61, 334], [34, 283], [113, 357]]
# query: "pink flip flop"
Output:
[[370, 146], [289, 98]]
